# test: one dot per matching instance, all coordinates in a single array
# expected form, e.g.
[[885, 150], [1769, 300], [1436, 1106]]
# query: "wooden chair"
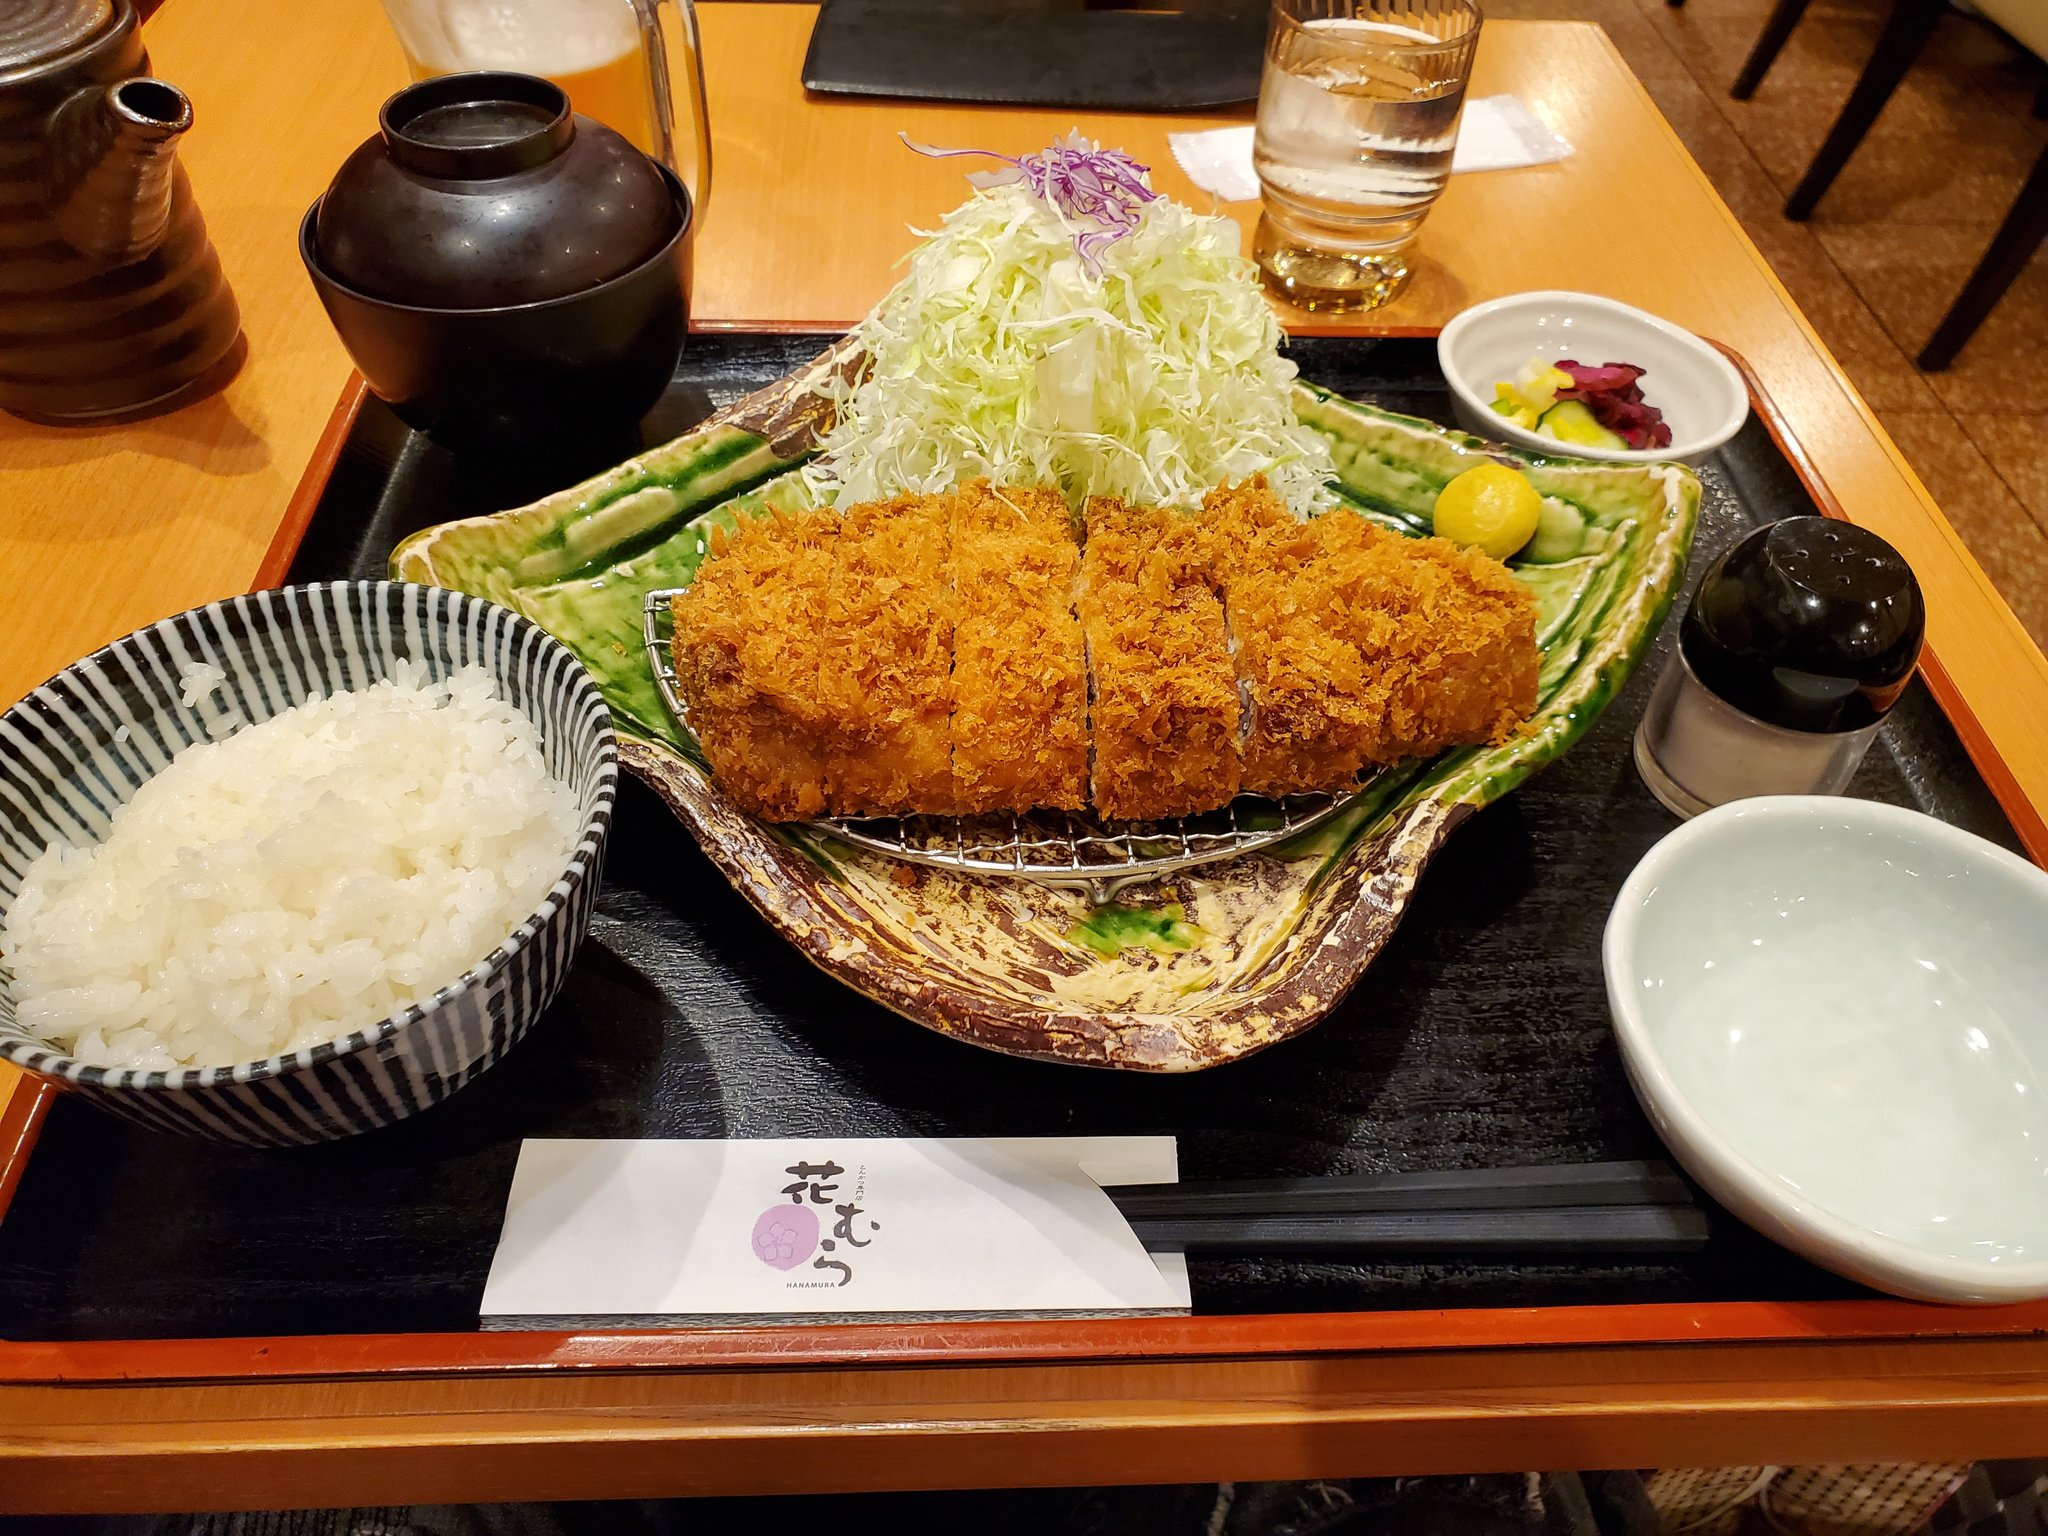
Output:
[[2025, 227], [1769, 43], [1905, 33]]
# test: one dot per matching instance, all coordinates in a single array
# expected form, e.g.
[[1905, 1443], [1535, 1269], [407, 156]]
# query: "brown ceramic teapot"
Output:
[[111, 299]]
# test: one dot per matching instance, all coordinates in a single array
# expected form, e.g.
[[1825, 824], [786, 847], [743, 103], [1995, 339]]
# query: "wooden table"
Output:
[[102, 530]]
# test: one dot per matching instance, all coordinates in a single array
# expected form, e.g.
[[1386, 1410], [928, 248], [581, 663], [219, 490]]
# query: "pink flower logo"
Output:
[[785, 1235]]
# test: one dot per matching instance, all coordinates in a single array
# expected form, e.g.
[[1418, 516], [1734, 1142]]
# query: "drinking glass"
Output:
[[610, 56], [1358, 111]]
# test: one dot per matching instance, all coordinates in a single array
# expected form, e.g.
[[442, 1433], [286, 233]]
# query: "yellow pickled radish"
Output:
[[1511, 405], [1491, 508], [1538, 382]]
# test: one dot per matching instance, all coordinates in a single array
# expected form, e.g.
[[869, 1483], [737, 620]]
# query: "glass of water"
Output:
[[1358, 110]]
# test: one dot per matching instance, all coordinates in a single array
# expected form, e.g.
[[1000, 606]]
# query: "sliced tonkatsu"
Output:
[[1163, 699], [1457, 665], [1312, 714], [960, 654], [887, 658], [1020, 687], [1361, 647], [748, 647]]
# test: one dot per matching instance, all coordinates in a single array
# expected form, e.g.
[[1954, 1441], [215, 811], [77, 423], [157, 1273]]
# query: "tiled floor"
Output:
[[1890, 246]]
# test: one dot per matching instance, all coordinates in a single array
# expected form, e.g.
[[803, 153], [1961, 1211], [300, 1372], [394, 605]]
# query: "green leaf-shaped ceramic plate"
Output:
[[1192, 971]]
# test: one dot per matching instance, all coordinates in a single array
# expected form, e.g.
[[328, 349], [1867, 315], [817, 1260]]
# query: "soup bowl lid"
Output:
[[484, 190]]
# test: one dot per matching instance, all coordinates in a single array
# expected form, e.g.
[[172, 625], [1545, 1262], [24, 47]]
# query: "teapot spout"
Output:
[[115, 150]]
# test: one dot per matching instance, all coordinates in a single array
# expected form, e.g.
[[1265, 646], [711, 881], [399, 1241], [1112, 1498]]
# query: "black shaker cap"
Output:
[[1809, 623]]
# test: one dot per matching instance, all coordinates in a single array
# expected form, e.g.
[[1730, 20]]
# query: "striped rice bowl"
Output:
[[460, 765]]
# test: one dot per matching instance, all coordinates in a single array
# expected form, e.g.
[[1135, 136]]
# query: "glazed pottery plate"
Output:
[[1187, 972]]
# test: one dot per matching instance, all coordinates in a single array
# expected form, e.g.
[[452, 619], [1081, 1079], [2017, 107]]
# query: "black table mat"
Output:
[[1044, 53], [1479, 1037]]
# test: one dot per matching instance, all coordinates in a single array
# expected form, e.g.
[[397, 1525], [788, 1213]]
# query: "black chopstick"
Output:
[[1598, 1231], [1618, 1209], [1463, 1189]]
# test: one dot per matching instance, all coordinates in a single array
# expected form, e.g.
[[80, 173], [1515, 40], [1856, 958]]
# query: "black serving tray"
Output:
[[1480, 1036]]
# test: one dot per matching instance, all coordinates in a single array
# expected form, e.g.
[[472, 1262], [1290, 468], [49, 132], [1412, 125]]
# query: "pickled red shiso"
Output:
[[1613, 394]]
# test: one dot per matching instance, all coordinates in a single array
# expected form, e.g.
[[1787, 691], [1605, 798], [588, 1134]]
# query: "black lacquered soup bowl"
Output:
[[590, 361]]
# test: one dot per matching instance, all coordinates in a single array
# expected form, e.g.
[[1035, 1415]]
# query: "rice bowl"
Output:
[[311, 873], [84, 744]]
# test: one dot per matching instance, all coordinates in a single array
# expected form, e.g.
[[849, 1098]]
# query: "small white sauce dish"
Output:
[[1836, 1014], [1701, 393]]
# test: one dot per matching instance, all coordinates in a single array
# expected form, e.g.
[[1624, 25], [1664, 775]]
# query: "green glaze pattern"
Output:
[[1188, 972]]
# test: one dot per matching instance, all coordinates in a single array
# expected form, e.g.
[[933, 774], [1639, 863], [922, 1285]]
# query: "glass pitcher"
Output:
[[611, 56]]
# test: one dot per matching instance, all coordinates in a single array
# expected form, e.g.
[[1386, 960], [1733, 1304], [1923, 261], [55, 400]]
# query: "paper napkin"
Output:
[[1496, 133], [829, 1225]]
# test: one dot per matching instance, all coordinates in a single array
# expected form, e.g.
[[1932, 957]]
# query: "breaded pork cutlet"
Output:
[[921, 654], [1312, 705], [748, 642], [1020, 685], [1163, 707], [887, 654], [1460, 662], [1446, 636]]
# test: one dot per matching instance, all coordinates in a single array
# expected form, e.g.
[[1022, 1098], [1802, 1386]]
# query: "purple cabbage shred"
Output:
[[1100, 193]]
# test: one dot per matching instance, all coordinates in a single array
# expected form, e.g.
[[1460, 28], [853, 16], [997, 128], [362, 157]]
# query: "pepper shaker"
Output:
[[1797, 644]]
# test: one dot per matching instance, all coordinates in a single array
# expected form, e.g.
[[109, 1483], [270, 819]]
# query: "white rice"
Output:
[[199, 680], [300, 879]]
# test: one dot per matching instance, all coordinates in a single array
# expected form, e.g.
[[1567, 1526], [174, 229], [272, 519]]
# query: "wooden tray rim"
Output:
[[981, 1342]]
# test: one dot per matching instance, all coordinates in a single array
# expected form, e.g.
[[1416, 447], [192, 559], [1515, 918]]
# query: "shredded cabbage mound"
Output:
[[1001, 354]]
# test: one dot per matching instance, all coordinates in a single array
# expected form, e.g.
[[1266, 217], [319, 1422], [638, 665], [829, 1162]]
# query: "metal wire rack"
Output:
[[1062, 848]]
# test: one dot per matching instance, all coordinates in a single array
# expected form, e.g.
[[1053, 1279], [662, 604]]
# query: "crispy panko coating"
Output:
[[1163, 698], [1362, 647], [887, 659], [954, 654], [1458, 664], [747, 646], [1313, 706], [1020, 683]]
